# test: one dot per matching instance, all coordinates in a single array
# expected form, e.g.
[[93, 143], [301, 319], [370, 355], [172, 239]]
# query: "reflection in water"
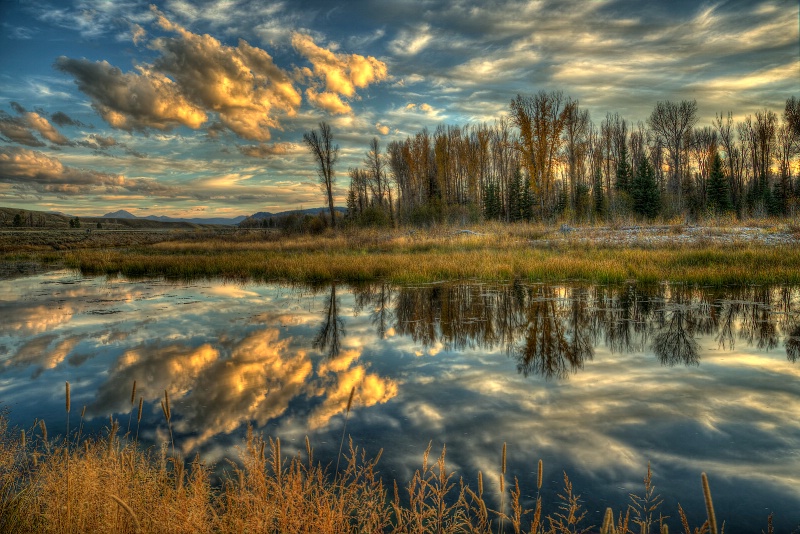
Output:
[[332, 329], [675, 344], [552, 331], [557, 368]]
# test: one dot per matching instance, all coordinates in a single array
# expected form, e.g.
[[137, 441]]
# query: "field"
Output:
[[717, 255]]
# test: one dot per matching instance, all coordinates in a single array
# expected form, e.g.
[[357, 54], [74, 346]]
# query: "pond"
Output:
[[597, 381]]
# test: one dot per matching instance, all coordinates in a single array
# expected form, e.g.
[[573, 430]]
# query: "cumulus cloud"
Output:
[[330, 102], [45, 129], [31, 170], [132, 101], [21, 129], [62, 119], [194, 75], [13, 129], [339, 74], [382, 128], [242, 84]]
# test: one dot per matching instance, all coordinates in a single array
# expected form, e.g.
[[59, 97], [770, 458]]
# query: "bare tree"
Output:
[[320, 143], [670, 123]]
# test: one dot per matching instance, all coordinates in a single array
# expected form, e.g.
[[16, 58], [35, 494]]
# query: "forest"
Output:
[[548, 161]]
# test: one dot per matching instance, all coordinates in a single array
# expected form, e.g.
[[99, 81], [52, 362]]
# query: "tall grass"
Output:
[[411, 259]]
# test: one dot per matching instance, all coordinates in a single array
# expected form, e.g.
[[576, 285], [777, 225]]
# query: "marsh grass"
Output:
[[414, 257], [118, 487]]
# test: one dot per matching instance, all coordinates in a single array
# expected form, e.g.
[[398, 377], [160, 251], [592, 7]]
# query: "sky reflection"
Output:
[[597, 381]]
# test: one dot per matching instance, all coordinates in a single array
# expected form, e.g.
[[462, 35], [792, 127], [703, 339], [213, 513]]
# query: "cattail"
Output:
[[539, 476], [86, 447], [139, 415], [350, 399], [480, 483], [68, 403], [308, 450], [608, 523], [83, 412], [22, 439], [133, 392], [43, 428], [712, 519], [664, 529], [111, 435], [504, 457], [166, 405]]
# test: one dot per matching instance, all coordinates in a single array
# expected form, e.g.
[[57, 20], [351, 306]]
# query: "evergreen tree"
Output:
[[515, 193], [352, 202], [17, 220], [644, 190], [526, 201], [599, 200], [623, 179], [719, 194], [491, 202]]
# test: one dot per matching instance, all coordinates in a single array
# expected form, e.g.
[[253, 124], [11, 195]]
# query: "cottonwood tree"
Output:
[[541, 119], [320, 144], [670, 122]]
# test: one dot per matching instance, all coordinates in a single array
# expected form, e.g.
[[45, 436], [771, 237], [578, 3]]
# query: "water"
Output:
[[598, 381]]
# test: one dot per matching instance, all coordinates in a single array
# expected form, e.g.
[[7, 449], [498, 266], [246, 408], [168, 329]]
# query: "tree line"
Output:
[[548, 161]]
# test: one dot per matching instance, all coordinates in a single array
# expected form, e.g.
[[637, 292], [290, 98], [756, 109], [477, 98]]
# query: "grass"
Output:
[[493, 252], [107, 483], [410, 259]]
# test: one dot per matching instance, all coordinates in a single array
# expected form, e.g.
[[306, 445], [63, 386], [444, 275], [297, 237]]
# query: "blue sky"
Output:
[[197, 108]]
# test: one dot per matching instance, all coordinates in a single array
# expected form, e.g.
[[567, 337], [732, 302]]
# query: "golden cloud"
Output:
[[342, 74], [330, 102]]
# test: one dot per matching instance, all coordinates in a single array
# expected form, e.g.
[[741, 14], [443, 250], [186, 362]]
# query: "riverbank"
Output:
[[714, 255]]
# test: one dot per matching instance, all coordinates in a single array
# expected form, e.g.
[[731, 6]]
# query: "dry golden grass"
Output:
[[117, 487], [717, 255]]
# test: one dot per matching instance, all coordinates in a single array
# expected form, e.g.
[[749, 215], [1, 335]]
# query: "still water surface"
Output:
[[595, 380]]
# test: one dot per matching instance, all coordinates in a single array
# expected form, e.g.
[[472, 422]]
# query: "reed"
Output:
[[133, 400], [344, 427], [168, 416], [269, 492], [712, 518]]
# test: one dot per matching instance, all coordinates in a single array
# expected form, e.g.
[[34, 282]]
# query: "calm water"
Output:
[[595, 380]]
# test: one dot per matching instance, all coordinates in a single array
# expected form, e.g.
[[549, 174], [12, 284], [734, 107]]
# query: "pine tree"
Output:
[[719, 194], [644, 190], [623, 178], [599, 200], [526, 201], [515, 192]]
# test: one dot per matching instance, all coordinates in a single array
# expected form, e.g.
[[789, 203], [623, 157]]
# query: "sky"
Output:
[[198, 108]]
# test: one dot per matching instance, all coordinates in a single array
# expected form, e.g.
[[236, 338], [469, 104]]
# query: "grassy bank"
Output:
[[109, 484], [430, 257], [713, 256]]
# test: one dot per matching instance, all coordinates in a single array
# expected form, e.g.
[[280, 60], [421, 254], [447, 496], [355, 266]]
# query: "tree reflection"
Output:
[[676, 344], [554, 345], [332, 330], [552, 331]]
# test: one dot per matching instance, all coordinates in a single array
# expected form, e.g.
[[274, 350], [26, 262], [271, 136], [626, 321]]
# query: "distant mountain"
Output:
[[122, 214], [309, 211]]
